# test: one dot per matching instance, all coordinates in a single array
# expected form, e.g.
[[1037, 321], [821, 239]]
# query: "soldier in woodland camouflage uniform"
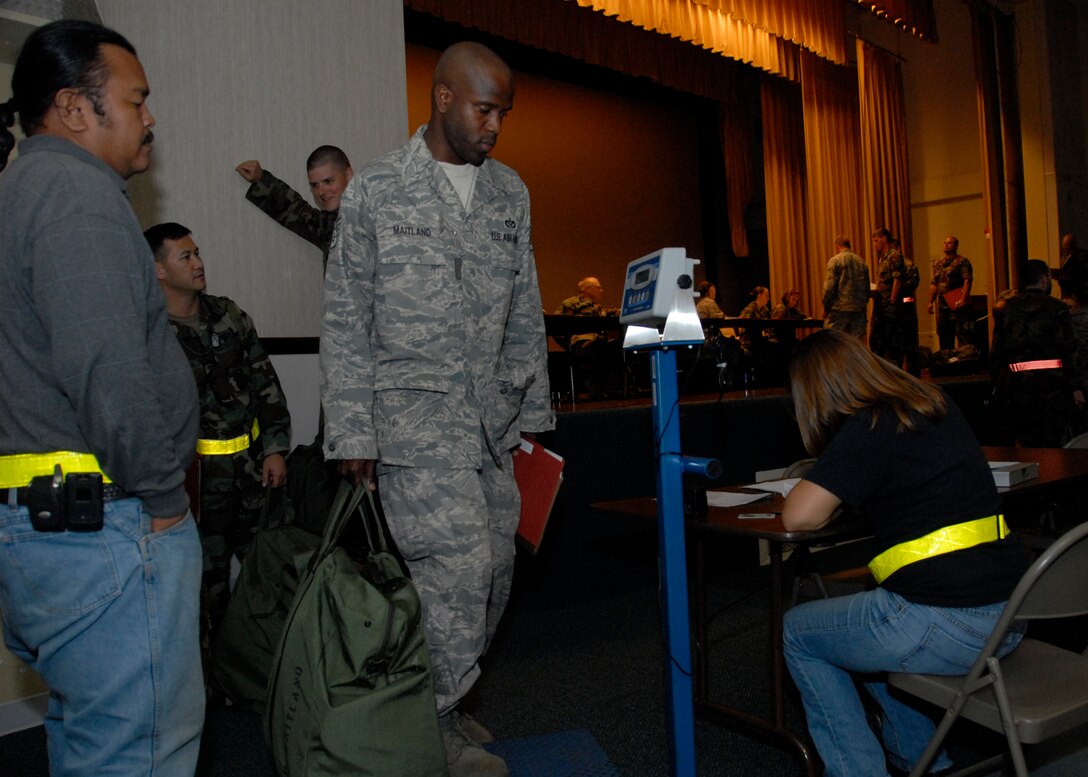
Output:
[[951, 272], [434, 362], [593, 351], [886, 338], [238, 387], [1034, 362], [907, 312], [328, 170]]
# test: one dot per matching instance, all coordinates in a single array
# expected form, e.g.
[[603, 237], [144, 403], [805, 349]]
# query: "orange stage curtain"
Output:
[[885, 179], [784, 182], [816, 25], [832, 161], [739, 176], [583, 34], [707, 28]]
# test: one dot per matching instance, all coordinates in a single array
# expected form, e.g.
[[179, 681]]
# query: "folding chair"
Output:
[[1036, 692], [1080, 441]]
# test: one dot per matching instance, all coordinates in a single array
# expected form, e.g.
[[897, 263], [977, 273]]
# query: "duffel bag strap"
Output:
[[347, 502]]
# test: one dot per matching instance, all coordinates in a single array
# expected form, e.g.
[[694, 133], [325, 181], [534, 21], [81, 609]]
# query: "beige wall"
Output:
[[263, 79]]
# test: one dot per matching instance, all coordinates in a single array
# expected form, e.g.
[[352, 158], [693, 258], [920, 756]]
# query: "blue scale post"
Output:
[[659, 308]]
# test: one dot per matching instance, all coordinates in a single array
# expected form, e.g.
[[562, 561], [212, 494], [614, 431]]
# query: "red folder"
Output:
[[953, 296], [538, 472]]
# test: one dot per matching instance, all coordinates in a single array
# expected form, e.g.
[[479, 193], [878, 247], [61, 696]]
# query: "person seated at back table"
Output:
[[600, 356], [707, 306], [901, 454], [788, 309]]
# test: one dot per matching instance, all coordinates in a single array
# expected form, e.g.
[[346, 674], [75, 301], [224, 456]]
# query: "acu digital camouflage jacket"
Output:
[[433, 348]]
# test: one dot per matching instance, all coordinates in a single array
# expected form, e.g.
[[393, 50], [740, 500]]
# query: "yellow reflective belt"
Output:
[[17, 469], [224, 447], [946, 540]]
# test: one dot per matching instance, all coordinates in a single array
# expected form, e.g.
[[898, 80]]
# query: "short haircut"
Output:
[[327, 155], [842, 241], [1034, 271], [882, 232], [157, 236], [759, 290], [703, 287]]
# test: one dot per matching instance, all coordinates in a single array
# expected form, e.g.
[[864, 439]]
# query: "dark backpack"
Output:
[[250, 631]]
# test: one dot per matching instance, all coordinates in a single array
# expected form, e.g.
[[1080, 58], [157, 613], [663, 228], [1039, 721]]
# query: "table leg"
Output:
[[720, 713], [699, 625]]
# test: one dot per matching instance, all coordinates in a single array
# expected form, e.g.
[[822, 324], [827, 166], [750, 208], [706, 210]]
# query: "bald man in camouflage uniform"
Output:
[[239, 395], [434, 361], [951, 272]]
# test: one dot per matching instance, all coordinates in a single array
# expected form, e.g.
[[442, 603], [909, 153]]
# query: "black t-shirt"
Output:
[[908, 484]]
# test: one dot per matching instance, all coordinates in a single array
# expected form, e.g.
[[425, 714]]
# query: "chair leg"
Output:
[[939, 735], [1008, 721]]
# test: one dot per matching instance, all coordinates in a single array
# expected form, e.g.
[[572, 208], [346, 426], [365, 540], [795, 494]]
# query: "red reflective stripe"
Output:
[[1039, 364]]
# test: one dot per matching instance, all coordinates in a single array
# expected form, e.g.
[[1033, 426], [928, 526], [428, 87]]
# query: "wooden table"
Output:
[[1058, 468]]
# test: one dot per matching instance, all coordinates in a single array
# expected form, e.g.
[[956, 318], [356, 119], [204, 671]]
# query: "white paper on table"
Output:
[[782, 487], [731, 498]]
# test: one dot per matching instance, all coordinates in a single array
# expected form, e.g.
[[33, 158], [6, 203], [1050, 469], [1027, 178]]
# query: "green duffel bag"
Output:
[[350, 690], [250, 631]]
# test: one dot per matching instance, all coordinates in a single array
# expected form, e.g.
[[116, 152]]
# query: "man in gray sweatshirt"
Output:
[[100, 563]]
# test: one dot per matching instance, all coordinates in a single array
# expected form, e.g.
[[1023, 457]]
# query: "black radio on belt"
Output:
[[74, 502]]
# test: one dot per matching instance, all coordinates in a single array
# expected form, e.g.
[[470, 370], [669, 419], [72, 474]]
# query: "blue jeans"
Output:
[[870, 633], [110, 620]]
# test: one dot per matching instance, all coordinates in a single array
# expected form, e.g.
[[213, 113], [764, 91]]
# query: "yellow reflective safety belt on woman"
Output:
[[946, 540]]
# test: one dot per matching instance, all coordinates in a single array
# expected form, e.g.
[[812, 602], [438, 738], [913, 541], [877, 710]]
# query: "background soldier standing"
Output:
[[1034, 362], [886, 337], [951, 272]]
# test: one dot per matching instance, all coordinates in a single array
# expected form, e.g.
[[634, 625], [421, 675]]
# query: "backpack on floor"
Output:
[[350, 688], [250, 630]]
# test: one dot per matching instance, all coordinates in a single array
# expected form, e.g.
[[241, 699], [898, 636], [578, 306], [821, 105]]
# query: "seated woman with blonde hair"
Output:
[[901, 454]]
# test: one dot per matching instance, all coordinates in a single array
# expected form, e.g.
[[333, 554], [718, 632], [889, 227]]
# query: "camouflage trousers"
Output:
[[852, 323], [231, 499], [888, 337], [455, 529], [954, 327]]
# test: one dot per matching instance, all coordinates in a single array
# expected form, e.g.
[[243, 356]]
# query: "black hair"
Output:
[[327, 155], [1034, 271], [7, 140], [160, 233], [65, 54]]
